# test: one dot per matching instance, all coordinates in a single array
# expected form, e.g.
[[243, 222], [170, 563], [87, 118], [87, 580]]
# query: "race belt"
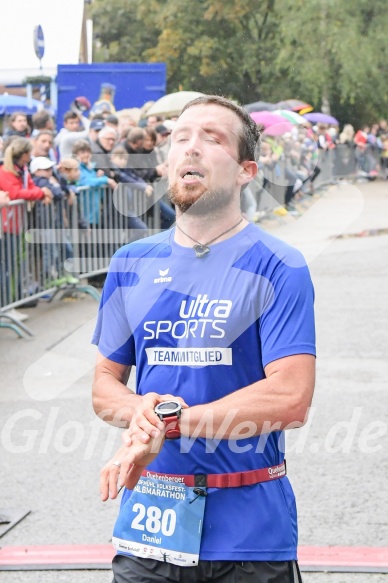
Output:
[[230, 480]]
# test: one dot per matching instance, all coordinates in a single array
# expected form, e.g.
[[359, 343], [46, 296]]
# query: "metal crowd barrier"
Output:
[[46, 250], [105, 220], [336, 164]]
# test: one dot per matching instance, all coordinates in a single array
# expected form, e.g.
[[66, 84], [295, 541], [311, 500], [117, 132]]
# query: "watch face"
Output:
[[168, 408]]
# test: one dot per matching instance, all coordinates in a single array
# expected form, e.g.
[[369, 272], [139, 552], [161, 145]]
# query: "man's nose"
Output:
[[193, 148]]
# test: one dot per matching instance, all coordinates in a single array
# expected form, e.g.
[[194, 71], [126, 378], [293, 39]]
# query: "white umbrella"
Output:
[[173, 103]]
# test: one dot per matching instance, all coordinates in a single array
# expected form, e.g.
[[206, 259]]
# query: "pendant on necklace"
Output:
[[201, 250]]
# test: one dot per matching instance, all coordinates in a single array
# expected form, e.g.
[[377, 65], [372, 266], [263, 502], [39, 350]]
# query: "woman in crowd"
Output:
[[18, 126], [90, 200], [17, 182]]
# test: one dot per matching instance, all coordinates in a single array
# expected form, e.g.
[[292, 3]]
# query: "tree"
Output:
[[221, 48], [336, 52], [120, 32], [320, 51], [212, 46]]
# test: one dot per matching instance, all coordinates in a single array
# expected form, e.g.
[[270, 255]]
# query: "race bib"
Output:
[[162, 520]]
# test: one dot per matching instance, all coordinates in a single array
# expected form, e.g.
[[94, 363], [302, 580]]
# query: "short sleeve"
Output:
[[112, 334], [287, 325]]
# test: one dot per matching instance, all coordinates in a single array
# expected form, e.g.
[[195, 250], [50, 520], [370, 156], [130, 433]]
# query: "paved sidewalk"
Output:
[[53, 446]]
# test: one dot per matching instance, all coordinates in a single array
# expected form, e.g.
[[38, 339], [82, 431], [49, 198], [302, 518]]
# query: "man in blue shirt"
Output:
[[218, 318]]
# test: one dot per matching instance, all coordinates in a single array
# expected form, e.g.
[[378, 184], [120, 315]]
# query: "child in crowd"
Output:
[[55, 250], [41, 169], [69, 174], [91, 200]]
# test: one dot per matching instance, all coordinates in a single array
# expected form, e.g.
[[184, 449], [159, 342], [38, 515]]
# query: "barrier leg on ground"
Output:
[[87, 289], [10, 322]]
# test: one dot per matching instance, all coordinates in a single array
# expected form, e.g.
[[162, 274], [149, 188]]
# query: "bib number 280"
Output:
[[155, 519]]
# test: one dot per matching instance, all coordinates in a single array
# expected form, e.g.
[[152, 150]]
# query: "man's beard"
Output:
[[205, 203]]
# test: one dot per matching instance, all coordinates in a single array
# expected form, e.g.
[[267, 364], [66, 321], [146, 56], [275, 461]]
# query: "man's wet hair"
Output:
[[250, 138]]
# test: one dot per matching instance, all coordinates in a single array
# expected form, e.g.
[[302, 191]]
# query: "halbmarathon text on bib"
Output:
[[161, 520], [189, 356]]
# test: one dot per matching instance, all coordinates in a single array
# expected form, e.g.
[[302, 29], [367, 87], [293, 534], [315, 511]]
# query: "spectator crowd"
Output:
[[107, 160]]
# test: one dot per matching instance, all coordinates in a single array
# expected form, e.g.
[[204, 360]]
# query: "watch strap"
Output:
[[172, 427]]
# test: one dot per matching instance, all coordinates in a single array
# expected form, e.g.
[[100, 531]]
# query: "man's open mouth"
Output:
[[193, 174]]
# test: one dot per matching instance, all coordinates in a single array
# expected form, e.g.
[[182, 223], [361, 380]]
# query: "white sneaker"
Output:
[[19, 316]]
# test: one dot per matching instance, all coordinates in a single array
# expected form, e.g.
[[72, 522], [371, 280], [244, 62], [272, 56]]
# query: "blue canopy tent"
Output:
[[11, 103]]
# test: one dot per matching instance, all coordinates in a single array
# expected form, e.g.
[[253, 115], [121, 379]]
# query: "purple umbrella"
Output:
[[318, 117], [274, 125]]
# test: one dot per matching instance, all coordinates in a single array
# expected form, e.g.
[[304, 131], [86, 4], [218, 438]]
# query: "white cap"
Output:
[[169, 124], [40, 163]]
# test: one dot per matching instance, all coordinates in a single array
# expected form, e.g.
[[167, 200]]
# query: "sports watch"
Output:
[[169, 412]]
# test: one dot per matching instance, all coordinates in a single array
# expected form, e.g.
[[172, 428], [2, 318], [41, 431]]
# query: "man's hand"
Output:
[[112, 183], [48, 195], [100, 173], [161, 169], [127, 465], [71, 198], [149, 190], [145, 424]]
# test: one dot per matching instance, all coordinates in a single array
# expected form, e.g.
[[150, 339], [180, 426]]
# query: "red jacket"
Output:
[[19, 186]]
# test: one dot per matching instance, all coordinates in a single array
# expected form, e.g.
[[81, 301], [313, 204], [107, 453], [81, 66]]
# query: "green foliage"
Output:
[[259, 50], [121, 32], [38, 80]]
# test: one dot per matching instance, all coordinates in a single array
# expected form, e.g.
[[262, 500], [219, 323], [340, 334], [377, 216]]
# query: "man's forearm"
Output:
[[272, 404], [113, 401], [240, 415]]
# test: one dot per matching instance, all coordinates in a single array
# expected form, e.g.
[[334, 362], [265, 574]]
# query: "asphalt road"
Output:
[[52, 447]]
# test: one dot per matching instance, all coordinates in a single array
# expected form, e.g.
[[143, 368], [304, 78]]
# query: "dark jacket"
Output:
[[128, 176], [142, 163], [56, 189], [11, 132], [49, 215], [101, 158]]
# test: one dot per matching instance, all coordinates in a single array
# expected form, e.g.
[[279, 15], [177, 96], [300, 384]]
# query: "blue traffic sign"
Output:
[[39, 41]]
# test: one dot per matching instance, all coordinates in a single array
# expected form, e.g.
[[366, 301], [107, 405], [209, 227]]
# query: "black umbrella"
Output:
[[259, 106]]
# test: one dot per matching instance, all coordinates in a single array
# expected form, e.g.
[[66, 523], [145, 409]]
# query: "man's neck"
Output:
[[203, 229]]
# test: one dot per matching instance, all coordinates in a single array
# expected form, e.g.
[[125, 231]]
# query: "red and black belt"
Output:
[[230, 480]]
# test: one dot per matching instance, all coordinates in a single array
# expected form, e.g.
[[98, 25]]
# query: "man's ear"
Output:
[[248, 170]]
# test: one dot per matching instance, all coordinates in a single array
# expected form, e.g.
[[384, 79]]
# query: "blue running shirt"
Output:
[[201, 329]]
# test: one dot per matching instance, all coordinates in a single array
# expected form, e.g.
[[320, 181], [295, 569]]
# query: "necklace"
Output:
[[203, 249]]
